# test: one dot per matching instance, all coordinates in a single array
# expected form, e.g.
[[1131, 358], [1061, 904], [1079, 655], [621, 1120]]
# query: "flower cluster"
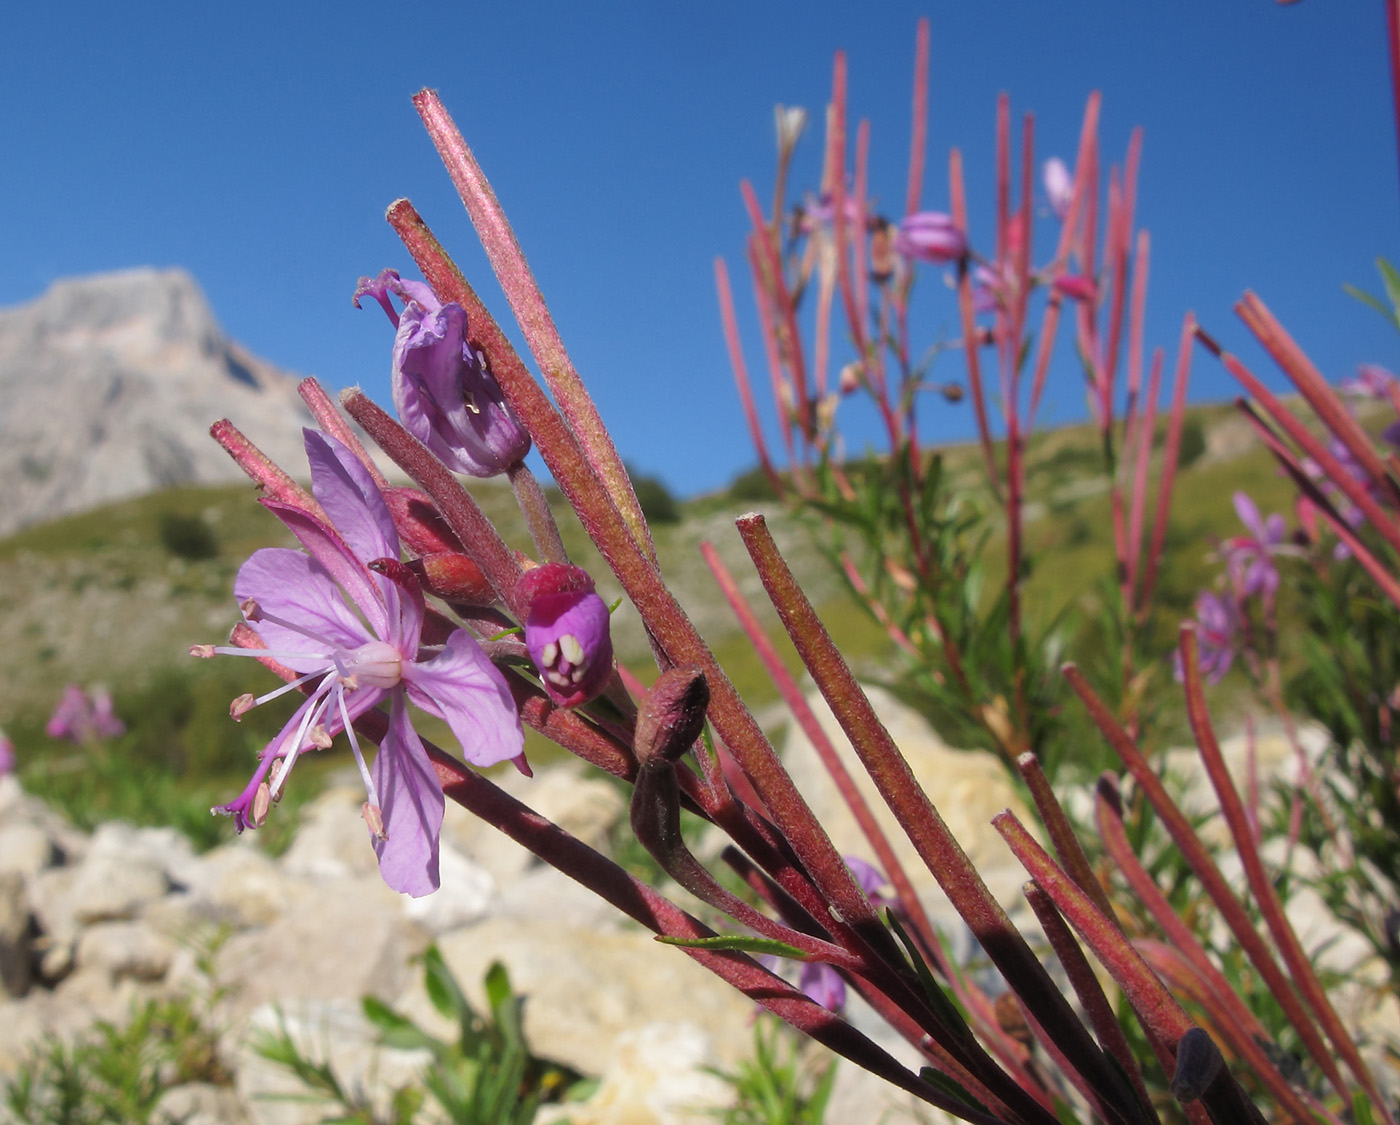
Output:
[[346, 622]]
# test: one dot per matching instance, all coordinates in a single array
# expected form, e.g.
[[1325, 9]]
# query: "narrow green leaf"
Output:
[[1392, 282], [950, 1086], [770, 946], [950, 1014], [1375, 303]]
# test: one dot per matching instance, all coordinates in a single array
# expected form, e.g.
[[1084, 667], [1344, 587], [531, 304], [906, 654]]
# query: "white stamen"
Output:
[[375, 819], [550, 654], [558, 679], [571, 649], [204, 652], [370, 791], [241, 706]]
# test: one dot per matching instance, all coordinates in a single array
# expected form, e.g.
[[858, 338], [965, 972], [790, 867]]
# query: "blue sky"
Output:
[[257, 145]]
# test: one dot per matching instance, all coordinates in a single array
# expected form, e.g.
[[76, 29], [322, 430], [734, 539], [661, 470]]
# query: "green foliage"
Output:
[[658, 505], [752, 485], [1193, 442], [116, 1075], [485, 1076], [787, 1082], [187, 536], [1390, 307]]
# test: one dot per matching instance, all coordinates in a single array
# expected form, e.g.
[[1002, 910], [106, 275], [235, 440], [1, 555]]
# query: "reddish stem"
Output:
[[741, 372], [1212, 881], [528, 305], [332, 422], [958, 197], [909, 803], [918, 127], [1171, 456], [1260, 884]]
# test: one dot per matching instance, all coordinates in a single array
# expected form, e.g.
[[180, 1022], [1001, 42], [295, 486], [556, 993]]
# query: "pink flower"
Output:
[[1249, 558], [930, 236], [1371, 381], [80, 717], [1217, 636], [7, 754], [567, 632], [296, 602]]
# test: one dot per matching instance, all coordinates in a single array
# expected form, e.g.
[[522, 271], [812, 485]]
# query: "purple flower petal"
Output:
[[1248, 512], [368, 591], [352, 501], [411, 805], [823, 984], [295, 587], [463, 687]]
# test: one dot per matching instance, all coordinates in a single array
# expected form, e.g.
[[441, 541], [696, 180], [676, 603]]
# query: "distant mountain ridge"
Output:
[[109, 385]]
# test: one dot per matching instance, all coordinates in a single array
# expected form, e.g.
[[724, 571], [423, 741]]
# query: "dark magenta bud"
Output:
[[567, 632]]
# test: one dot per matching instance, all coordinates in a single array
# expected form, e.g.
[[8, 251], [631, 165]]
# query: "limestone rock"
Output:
[[110, 383], [968, 787], [586, 988], [199, 1103], [125, 950], [342, 938]]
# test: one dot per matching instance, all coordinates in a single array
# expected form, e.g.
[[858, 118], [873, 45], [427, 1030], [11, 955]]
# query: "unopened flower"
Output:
[[567, 632], [296, 602], [789, 121], [1077, 287], [442, 387], [1250, 558], [1059, 186], [930, 236]]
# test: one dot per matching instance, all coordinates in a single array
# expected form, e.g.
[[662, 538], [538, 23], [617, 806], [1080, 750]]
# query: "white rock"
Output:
[[332, 841], [465, 896], [199, 1103], [656, 1075], [125, 950], [25, 849], [342, 939], [333, 1031], [236, 884], [584, 989]]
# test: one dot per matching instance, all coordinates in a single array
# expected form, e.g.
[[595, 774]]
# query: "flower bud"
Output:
[[453, 576], [930, 236], [672, 715], [567, 632], [1077, 287], [1059, 186], [1198, 1063]]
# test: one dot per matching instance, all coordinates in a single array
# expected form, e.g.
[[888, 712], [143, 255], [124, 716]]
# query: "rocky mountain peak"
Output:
[[110, 384]]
